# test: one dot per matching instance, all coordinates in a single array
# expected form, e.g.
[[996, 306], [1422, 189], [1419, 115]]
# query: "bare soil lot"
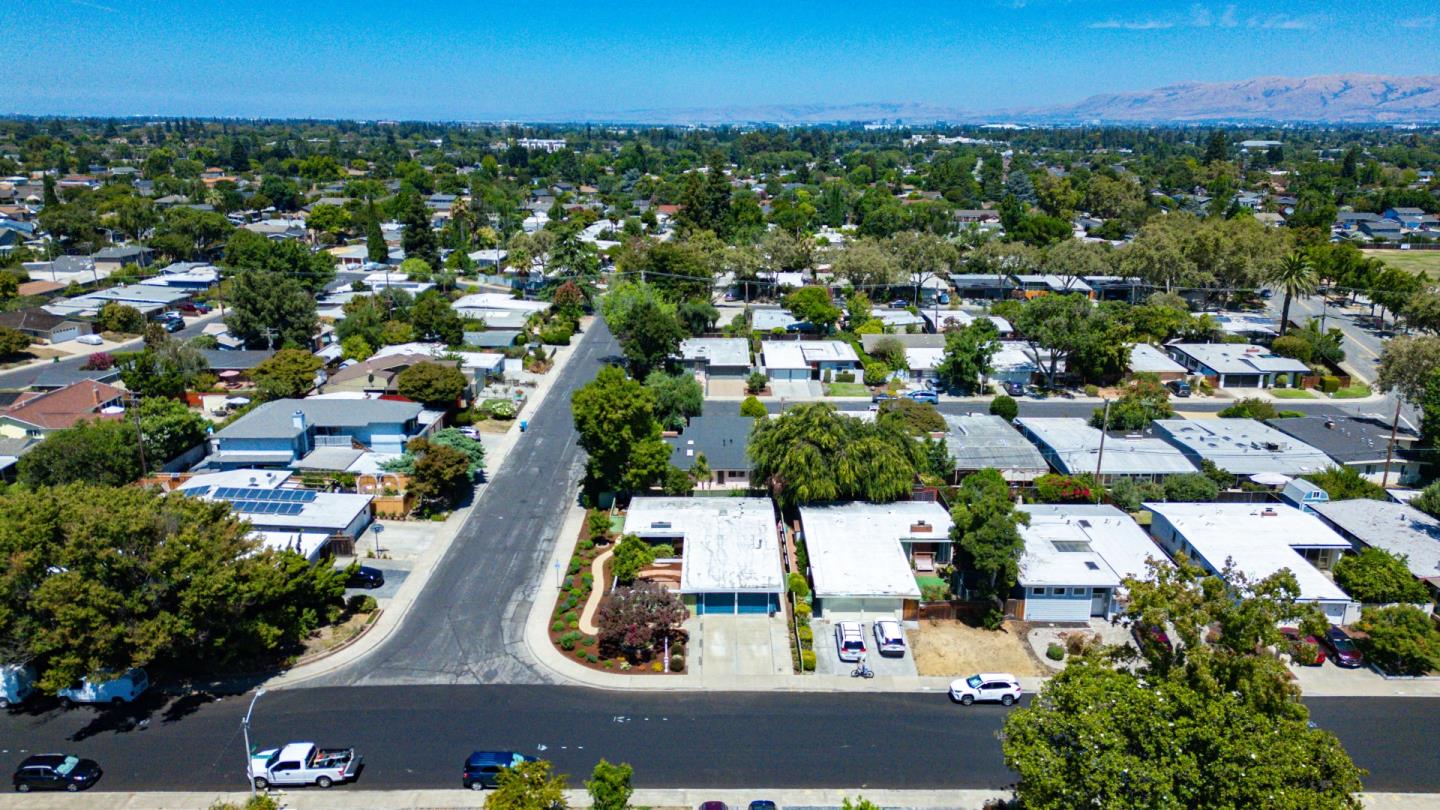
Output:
[[951, 648]]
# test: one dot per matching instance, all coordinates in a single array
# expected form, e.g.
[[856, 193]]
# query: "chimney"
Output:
[[921, 527], [1329, 424], [298, 420], [95, 394]]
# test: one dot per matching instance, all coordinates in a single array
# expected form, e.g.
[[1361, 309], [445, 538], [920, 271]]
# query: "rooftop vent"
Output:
[[660, 524], [921, 527]]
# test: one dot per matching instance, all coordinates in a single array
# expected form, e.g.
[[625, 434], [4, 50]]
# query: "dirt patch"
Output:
[[950, 648], [495, 426]]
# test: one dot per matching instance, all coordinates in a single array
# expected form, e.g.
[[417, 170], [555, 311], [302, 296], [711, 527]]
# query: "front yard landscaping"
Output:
[[844, 389], [1355, 391], [1291, 393]]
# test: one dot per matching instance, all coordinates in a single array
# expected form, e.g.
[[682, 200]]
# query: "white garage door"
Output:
[[857, 609], [1057, 607]]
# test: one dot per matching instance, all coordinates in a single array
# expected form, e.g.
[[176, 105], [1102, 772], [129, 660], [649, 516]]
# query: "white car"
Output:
[[470, 432], [122, 689], [849, 641], [91, 340], [889, 637], [994, 687], [303, 763]]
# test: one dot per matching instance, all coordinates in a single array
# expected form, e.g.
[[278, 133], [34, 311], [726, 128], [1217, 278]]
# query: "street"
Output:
[[23, 377], [415, 737]]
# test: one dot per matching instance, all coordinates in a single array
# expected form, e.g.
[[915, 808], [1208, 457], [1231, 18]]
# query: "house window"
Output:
[[1079, 591], [1041, 591]]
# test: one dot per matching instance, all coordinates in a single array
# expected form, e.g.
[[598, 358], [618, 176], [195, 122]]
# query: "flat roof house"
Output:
[[861, 554], [1076, 557], [768, 319], [1237, 365], [283, 432], [729, 549], [1359, 442], [723, 440], [1398, 528], [807, 359], [978, 441], [284, 517], [1242, 446], [1071, 446], [1147, 359], [1260, 540], [716, 357]]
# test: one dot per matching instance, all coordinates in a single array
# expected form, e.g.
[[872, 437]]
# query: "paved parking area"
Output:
[[403, 540], [797, 389], [395, 574], [739, 645], [827, 657]]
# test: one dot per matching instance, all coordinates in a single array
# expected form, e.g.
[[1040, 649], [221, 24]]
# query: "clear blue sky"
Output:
[[484, 60]]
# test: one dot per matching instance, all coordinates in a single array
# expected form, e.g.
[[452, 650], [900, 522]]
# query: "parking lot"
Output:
[[827, 658]]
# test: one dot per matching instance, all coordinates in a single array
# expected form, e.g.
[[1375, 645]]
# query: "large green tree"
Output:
[[270, 310], [287, 374], [651, 338], [677, 398], [1375, 576], [987, 531], [1294, 276], [812, 453], [436, 385], [103, 452], [615, 417], [968, 351]]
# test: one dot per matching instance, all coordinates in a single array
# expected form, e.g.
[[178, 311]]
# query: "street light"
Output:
[[245, 728], [375, 529]]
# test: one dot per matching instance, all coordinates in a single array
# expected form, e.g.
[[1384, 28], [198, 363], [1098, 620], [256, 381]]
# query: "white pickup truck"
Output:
[[303, 763]]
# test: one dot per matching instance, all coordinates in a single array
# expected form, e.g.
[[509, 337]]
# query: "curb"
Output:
[[364, 631]]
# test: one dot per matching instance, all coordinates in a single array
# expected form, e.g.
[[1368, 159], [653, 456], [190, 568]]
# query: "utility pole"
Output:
[[245, 729], [140, 442], [1100, 457], [1390, 448]]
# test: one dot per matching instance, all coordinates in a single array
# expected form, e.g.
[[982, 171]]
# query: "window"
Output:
[[1041, 591], [1079, 591]]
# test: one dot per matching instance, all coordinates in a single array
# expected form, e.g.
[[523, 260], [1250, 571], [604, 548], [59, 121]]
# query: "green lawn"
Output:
[[1427, 261], [846, 390], [1291, 393], [1353, 392]]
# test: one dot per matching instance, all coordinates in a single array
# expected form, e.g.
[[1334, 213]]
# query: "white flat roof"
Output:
[[826, 351], [499, 301], [1099, 546], [1243, 446], [855, 548], [924, 359], [717, 351], [1239, 358], [1076, 447], [1260, 538], [764, 319], [980, 440], [731, 545], [782, 354], [1144, 357]]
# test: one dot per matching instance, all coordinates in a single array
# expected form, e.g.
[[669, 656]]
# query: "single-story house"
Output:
[[1076, 558], [1241, 446], [1147, 359], [1014, 362], [185, 276], [1044, 284], [38, 414], [979, 441], [114, 258], [283, 431], [724, 441], [1236, 365], [716, 357], [807, 359], [982, 286], [492, 338], [376, 375], [1259, 540], [234, 364], [1398, 528], [729, 549], [1359, 442], [899, 320], [950, 319], [864, 556], [38, 324], [286, 517], [769, 319], [1072, 446]]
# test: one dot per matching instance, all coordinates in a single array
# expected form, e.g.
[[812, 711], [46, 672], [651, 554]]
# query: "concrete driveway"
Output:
[[739, 645], [827, 657]]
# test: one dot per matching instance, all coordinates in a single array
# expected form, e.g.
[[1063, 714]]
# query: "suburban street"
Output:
[[415, 736], [22, 377], [467, 625]]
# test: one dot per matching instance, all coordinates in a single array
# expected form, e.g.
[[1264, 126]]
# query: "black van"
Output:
[[483, 768]]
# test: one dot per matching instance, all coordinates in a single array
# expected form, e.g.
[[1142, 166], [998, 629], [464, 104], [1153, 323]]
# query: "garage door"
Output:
[[840, 609], [1069, 608], [755, 603], [715, 603]]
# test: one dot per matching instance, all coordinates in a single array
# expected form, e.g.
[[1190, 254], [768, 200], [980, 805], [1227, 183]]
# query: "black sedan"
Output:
[[366, 577], [56, 772]]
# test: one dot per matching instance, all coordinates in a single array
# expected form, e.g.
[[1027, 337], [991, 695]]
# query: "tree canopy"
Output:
[[811, 453]]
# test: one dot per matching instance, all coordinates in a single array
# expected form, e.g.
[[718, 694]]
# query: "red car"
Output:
[[1296, 643], [1152, 636], [1342, 648]]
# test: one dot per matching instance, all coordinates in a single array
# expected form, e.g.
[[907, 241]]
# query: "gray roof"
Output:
[[221, 360], [492, 338], [1347, 439], [122, 252], [909, 341], [1396, 527], [723, 440], [980, 440], [1242, 446], [273, 419], [328, 458], [54, 376]]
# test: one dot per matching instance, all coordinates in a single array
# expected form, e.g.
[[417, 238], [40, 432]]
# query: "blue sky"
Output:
[[485, 60]]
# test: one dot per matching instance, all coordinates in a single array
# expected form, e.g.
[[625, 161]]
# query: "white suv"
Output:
[[889, 637], [849, 641], [1001, 687]]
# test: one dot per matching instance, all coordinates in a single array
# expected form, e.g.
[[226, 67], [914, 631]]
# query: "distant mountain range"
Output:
[[1347, 98]]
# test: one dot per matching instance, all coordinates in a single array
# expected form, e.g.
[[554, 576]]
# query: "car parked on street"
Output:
[[849, 641], [303, 763], [122, 689], [925, 396], [366, 577], [483, 768], [1304, 650], [989, 687], [889, 637], [762, 804], [17, 682], [880, 397], [1180, 388], [194, 308], [1015, 389], [1342, 648], [55, 772]]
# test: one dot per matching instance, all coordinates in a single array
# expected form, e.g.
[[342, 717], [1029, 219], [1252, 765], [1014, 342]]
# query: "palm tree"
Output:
[[1295, 276]]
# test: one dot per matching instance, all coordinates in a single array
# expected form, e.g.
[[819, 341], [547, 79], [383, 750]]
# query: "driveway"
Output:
[[827, 657], [797, 389], [739, 645]]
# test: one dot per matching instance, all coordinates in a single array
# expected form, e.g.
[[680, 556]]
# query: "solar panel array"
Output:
[[269, 507], [253, 494]]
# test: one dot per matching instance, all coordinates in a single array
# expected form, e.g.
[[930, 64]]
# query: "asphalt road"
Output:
[[417, 737], [467, 626], [22, 377]]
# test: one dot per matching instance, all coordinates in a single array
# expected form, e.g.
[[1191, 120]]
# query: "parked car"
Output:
[[172, 325], [925, 396], [899, 303], [713, 806], [483, 768], [1015, 389], [470, 432], [993, 687], [115, 691], [56, 772], [762, 804], [1154, 635], [880, 397], [194, 308], [849, 641], [889, 638], [17, 682], [91, 340], [366, 577], [1342, 648], [1305, 651], [303, 763], [1180, 388]]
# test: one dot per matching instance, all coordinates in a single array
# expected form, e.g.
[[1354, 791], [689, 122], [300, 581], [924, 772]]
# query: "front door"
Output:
[[1099, 602]]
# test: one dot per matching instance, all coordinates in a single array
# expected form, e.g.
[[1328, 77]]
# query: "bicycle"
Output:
[[862, 670]]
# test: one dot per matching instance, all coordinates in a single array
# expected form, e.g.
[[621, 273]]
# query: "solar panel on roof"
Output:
[[293, 508]]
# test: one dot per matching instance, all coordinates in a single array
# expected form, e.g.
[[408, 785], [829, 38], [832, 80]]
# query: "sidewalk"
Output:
[[394, 613], [344, 798]]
